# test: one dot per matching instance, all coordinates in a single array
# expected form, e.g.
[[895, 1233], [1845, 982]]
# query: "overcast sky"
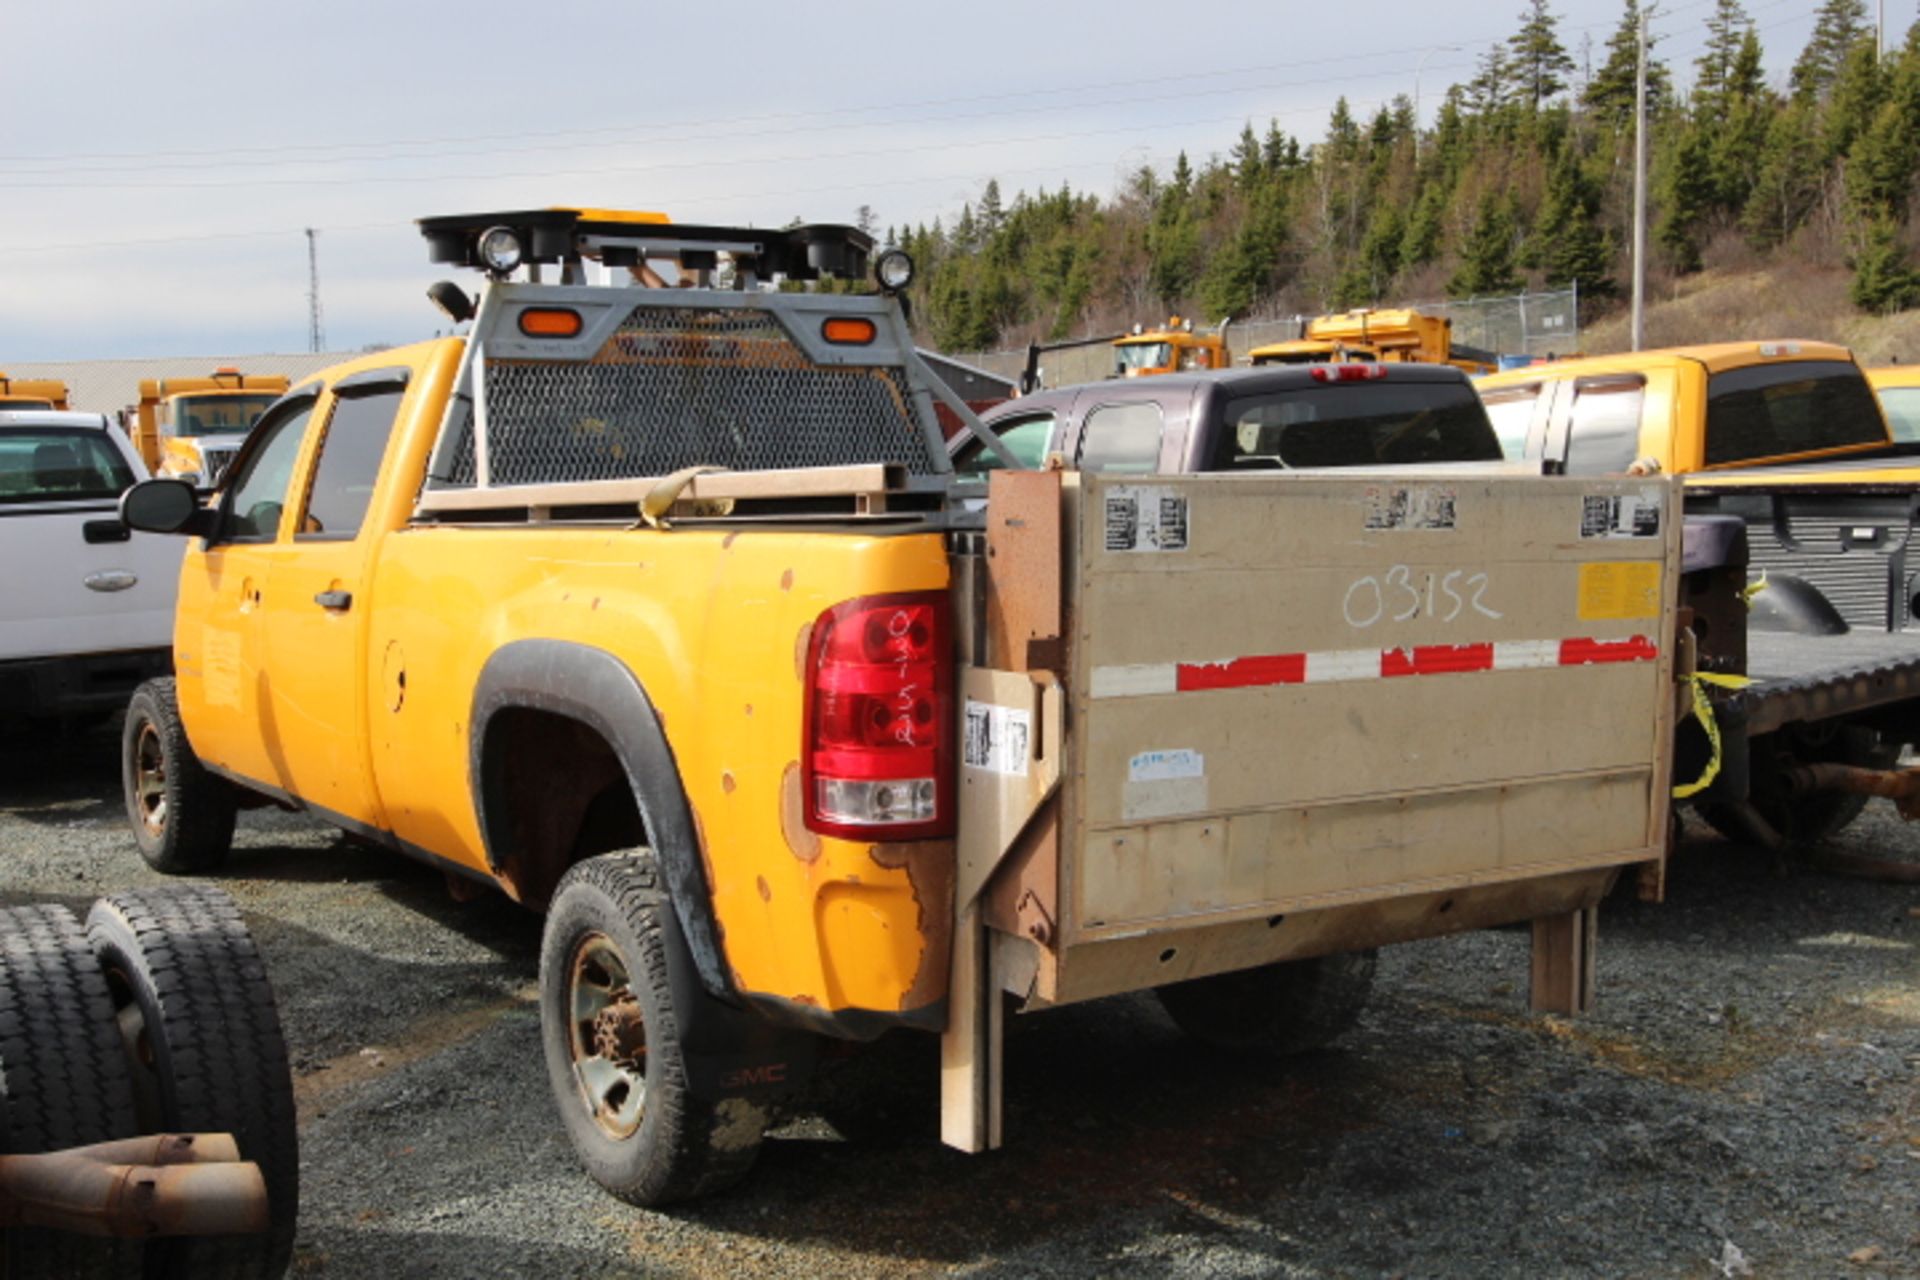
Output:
[[160, 160]]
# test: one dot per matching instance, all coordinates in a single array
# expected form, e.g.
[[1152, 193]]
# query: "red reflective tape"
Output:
[[1577, 653], [1242, 673], [1436, 659]]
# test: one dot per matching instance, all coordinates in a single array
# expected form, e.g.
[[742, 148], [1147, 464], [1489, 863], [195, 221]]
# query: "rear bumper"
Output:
[[76, 684]]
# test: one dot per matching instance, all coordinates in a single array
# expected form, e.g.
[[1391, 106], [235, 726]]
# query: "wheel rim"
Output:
[[150, 779], [607, 1036]]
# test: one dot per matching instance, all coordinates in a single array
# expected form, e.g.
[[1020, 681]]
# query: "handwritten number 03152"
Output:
[[1399, 595]]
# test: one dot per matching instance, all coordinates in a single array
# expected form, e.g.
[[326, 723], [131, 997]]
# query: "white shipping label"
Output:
[[1420, 507], [1621, 515], [997, 739], [1146, 517], [1163, 766]]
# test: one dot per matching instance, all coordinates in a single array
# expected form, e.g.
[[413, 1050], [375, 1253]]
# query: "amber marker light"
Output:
[[848, 331], [550, 322]]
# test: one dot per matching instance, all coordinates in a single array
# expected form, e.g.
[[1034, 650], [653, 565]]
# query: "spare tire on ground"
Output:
[[64, 1079], [202, 1034]]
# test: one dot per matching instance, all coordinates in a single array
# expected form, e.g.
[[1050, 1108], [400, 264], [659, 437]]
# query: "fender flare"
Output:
[[594, 687]]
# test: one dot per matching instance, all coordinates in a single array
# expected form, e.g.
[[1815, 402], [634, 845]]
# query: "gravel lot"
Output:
[[1746, 1100]]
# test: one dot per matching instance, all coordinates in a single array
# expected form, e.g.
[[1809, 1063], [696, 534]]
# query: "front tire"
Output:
[[202, 1035], [611, 1033], [182, 815], [1276, 1009]]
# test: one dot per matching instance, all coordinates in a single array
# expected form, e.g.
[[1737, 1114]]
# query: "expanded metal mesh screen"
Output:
[[678, 387]]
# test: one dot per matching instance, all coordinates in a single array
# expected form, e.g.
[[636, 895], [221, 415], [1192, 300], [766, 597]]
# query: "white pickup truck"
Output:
[[86, 607]]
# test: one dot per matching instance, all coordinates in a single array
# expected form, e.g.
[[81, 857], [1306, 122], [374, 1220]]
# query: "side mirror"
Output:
[[164, 506]]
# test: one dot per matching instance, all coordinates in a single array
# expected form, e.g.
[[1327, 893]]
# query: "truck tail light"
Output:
[[877, 756], [1347, 372]]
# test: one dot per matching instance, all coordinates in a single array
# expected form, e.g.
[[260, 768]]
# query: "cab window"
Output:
[[1025, 438], [1771, 410], [258, 494], [1511, 411], [349, 463], [60, 464], [1122, 438], [1603, 435]]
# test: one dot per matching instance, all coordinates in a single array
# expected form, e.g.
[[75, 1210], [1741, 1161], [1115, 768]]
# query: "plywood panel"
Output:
[[1277, 860]]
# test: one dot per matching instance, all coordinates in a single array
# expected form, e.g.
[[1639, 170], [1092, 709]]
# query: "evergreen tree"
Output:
[[1538, 62], [1487, 265], [1248, 165], [1570, 245], [1854, 99], [1420, 242], [1787, 179], [1884, 280], [1839, 27], [1343, 135], [992, 216], [1881, 166], [1727, 29], [1609, 93], [1685, 190], [1238, 276], [1492, 84]]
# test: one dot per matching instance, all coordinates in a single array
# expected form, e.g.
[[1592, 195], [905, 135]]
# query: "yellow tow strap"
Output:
[[1754, 588], [1703, 712]]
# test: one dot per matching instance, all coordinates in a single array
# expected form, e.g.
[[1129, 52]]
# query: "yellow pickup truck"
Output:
[[657, 609], [1786, 442]]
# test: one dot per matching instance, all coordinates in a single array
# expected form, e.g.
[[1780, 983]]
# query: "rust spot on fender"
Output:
[[749, 708], [726, 781], [801, 643], [805, 999], [596, 602], [804, 844], [728, 540], [786, 580], [929, 865], [766, 890]]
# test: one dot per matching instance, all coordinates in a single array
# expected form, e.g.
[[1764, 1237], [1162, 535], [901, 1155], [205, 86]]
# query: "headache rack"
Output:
[[583, 400]]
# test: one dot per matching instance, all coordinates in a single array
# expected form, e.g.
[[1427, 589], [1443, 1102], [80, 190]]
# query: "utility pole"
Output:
[[1640, 185], [316, 334]]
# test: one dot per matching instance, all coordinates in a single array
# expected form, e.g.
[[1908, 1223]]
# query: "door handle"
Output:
[[338, 601]]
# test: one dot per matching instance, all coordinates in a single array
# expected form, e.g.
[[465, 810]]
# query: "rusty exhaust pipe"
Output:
[[1902, 786], [190, 1184]]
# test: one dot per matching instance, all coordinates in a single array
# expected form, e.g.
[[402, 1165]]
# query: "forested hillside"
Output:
[[1522, 179]]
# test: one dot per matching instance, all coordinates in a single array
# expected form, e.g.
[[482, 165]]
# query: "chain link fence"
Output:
[[1530, 324]]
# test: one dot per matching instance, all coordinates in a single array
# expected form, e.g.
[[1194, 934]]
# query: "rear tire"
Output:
[[612, 1039], [1276, 1009], [63, 1079], [1809, 818], [182, 815], [202, 1035]]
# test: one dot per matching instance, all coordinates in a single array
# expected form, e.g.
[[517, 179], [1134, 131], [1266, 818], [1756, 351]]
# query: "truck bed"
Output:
[[1802, 677]]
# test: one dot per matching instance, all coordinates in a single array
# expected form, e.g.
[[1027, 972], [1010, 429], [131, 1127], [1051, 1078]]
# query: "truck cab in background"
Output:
[[32, 393], [190, 428], [1399, 334]]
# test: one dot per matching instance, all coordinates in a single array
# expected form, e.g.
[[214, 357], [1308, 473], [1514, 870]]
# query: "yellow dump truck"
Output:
[[190, 428], [1400, 334], [659, 610], [1173, 349], [32, 393]]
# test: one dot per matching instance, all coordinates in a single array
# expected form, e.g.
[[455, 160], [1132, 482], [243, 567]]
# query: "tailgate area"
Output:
[[1329, 690], [1306, 714]]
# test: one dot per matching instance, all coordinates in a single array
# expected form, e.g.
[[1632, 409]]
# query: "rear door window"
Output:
[[1903, 412], [349, 463], [1773, 410], [55, 464], [1511, 411], [1122, 438], [1376, 422], [1603, 434]]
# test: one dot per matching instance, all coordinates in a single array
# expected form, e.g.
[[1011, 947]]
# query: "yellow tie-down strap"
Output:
[[1703, 712]]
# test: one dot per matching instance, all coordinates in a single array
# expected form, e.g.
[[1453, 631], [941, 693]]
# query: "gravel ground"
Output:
[[1745, 1101]]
